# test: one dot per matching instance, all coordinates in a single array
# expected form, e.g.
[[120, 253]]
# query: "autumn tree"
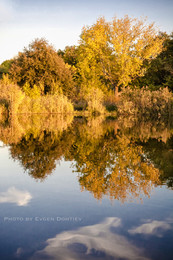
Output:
[[40, 65], [111, 163], [69, 55], [112, 54], [160, 70]]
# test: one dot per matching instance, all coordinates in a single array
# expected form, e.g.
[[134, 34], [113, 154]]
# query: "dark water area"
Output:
[[86, 188]]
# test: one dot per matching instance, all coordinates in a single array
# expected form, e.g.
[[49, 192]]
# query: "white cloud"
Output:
[[81, 243], [152, 228], [13, 195]]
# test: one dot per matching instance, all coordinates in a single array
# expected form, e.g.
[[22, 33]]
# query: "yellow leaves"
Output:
[[31, 92], [116, 51], [6, 80], [109, 162], [124, 176], [11, 93]]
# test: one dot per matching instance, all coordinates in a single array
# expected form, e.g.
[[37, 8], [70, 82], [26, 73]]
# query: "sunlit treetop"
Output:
[[115, 52]]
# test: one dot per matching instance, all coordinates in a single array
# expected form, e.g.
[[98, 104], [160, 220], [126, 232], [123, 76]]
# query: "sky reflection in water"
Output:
[[53, 159]]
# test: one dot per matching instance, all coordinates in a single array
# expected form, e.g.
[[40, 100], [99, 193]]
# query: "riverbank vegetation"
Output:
[[29, 101], [123, 66]]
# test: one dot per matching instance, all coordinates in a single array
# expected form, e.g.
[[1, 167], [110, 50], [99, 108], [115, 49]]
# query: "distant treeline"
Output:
[[110, 58]]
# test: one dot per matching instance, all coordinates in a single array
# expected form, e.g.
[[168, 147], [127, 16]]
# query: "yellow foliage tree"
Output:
[[114, 53]]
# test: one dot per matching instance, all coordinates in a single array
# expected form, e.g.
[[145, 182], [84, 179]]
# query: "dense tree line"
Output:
[[110, 55]]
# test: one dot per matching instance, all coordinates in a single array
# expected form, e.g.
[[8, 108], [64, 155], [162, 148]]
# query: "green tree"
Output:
[[160, 71], [113, 53], [40, 65], [5, 66]]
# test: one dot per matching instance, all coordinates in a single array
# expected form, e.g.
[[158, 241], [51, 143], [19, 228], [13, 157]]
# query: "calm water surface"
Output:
[[81, 188]]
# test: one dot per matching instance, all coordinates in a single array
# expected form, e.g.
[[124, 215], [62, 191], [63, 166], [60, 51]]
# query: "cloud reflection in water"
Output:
[[91, 242], [151, 228], [13, 195]]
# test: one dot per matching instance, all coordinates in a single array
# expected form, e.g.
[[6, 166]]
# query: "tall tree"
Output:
[[40, 65], [113, 53]]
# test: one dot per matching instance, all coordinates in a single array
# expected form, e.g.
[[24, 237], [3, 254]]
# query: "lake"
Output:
[[86, 188]]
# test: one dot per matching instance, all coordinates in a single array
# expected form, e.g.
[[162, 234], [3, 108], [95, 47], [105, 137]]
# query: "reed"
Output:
[[18, 101], [144, 102]]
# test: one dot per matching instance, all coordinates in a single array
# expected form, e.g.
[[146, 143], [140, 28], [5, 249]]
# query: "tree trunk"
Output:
[[116, 92]]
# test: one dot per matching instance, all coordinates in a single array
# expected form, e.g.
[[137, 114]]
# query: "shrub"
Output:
[[31, 101], [32, 92], [94, 98], [145, 102], [80, 105], [11, 94], [110, 101], [3, 112], [48, 104]]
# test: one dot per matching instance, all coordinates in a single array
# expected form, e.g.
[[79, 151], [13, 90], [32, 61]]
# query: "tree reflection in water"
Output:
[[112, 158]]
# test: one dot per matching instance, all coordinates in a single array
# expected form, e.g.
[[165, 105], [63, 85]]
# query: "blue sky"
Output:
[[60, 22]]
